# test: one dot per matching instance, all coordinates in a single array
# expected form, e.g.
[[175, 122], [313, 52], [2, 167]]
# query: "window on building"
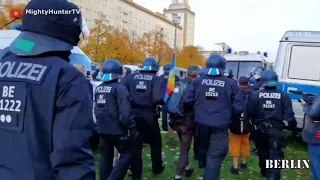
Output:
[[311, 63]]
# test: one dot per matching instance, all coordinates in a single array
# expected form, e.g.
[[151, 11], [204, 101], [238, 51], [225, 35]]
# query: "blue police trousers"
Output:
[[217, 151], [270, 146], [164, 117], [149, 130], [314, 152], [119, 171]]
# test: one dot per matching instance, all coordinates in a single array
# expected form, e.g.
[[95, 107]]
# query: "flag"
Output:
[[171, 79]]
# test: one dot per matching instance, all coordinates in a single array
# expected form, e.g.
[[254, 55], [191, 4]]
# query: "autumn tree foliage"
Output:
[[154, 45], [190, 55], [107, 42], [5, 18]]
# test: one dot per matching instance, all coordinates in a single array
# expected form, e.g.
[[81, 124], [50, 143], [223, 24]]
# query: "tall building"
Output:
[[182, 8], [138, 20]]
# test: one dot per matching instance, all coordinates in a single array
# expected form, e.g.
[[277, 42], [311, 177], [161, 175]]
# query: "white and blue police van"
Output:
[[241, 62], [79, 57], [134, 68], [298, 66], [179, 72]]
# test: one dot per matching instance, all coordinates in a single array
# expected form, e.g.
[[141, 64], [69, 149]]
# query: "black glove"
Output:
[[292, 125], [133, 133]]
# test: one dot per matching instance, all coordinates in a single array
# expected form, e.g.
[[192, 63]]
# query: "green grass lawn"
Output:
[[295, 150]]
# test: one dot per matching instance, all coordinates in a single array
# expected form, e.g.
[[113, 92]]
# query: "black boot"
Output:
[[188, 172], [159, 171], [234, 171], [243, 166]]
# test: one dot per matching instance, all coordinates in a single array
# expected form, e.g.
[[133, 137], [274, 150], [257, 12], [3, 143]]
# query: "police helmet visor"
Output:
[[32, 44]]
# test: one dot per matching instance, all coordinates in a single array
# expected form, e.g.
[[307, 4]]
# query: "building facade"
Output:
[[183, 9], [138, 20]]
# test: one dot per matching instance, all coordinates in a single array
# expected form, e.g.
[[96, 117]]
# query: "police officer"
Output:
[[146, 93], [164, 78], [254, 78], [228, 72], [201, 136], [49, 119], [97, 74], [127, 71], [256, 74], [268, 108], [115, 126], [203, 72], [311, 134], [214, 98]]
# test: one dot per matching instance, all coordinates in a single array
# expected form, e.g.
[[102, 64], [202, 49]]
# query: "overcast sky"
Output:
[[247, 25]]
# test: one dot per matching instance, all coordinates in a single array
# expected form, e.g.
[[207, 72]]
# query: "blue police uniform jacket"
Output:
[[145, 90], [214, 99], [271, 105], [112, 108], [46, 120]]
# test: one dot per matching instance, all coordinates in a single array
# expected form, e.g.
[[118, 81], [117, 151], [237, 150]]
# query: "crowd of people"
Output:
[[50, 122]]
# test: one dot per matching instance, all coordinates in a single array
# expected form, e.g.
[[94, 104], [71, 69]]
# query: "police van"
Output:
[[180, 72], [78, 56], [242, 62], [297, 65], [133, 68]]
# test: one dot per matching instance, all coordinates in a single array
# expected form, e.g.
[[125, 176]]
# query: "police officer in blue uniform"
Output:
[[127, 70], [48, 105], [146, 93], [256, 74], [268, 108], [311, 134], [255, 82], [228, 72], [203, 72], [214, 98], [164, 78], [116, 127]]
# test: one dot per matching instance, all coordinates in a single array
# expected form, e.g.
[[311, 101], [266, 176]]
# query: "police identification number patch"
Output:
[[12, 105], [101, 100]]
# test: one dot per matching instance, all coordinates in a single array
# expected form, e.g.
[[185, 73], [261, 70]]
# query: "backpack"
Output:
[[175, 98], [242, 124]]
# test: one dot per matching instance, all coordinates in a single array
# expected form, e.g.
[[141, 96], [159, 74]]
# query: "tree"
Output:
[[154, 45], [5, 19], [106, 42], [137, 54], [95, 47], [190, 55]]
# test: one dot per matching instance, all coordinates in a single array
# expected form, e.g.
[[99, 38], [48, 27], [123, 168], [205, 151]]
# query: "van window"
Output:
[[304, 63]]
